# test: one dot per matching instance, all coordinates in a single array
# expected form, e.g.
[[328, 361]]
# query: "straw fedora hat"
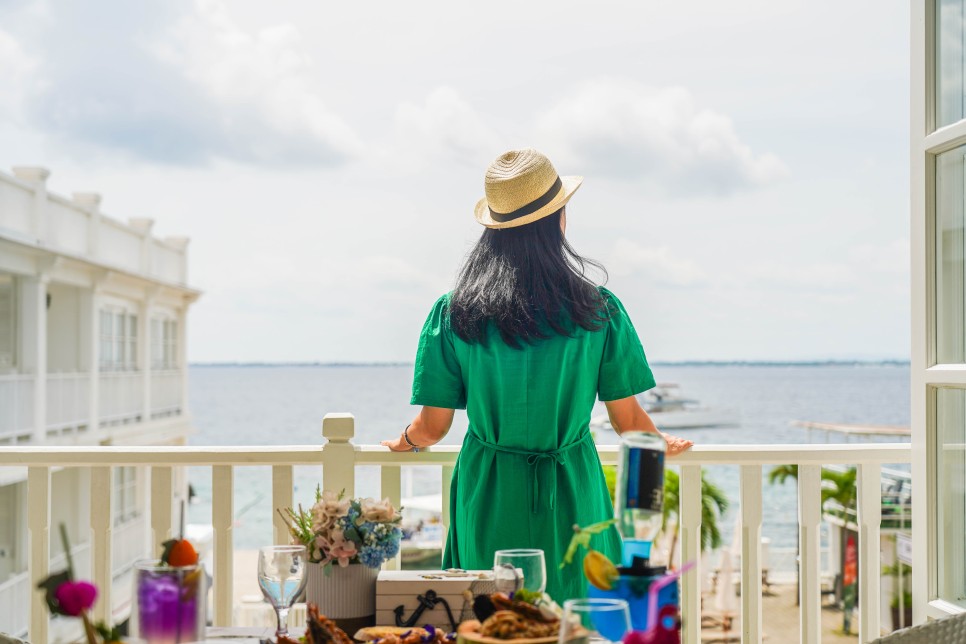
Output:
[[521, 187]]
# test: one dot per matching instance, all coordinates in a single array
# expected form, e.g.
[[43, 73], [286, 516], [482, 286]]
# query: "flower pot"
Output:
[[907, 617], [347, 595]]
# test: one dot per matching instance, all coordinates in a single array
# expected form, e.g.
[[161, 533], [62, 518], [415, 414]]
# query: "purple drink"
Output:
[[171, 603]]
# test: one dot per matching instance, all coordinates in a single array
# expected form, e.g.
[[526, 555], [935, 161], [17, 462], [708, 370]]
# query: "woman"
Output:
[[526, 343]]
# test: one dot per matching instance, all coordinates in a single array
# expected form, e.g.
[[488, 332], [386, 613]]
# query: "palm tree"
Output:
[[714, 502]]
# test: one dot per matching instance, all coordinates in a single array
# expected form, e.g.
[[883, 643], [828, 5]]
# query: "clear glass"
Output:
[[281, 576], [520, 568], [950, 61], [950, 247], [951, 492], [170, 604], [600, 620]]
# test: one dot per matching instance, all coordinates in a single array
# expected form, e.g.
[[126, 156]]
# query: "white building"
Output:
[[92, 352]]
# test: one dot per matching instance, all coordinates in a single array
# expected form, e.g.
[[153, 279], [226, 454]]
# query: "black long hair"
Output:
[[524, 280]]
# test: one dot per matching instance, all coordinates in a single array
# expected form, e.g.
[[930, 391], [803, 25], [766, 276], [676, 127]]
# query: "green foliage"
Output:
[[714, 503], [838, 486], [582, 538]]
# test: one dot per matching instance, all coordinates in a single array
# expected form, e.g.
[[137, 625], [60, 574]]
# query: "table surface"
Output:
[[242, 635]]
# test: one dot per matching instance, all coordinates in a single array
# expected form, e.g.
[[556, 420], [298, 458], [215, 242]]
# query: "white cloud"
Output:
[[625, 130], [263, 83], [444, 128], [177, 82], [16, 71], [659, 266]]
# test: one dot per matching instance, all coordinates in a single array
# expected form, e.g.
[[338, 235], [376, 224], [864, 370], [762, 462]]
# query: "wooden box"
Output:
[[396, 588]]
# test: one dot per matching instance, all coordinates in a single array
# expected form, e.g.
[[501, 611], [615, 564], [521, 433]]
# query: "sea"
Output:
[[284, 405]]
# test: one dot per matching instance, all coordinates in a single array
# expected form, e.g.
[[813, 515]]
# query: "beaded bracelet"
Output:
[[406, 438]]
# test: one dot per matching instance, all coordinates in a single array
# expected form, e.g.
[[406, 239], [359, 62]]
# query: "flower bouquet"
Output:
[[348, 540], [344, 531], [67, 596]]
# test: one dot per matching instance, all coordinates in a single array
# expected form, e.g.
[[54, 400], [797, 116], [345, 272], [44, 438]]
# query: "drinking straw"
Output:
[[655, 589]]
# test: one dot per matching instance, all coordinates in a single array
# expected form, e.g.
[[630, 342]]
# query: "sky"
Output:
[[746, 163]]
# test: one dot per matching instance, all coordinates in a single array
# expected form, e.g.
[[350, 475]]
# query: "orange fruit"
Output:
[[182, 553]]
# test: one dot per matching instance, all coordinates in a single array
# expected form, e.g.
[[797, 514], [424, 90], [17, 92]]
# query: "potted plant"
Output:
[[904, 592], [348, 540]]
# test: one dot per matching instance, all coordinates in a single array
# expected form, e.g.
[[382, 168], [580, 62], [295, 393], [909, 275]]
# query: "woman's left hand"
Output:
[[397, 445], [676, 445]]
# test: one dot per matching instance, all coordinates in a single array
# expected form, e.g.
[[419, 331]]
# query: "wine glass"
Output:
[[607, 620], [281, 576], [520, 568]]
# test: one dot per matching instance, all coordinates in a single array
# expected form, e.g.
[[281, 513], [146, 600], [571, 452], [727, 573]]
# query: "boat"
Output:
[[93, 313], [670, 410], [422, 544]]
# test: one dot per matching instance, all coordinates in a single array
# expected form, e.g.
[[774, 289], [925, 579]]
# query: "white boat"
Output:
[[92, 352], [424, 541], [669, 410]]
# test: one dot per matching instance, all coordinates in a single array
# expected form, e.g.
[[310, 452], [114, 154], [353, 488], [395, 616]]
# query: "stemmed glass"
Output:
[[510, 565], [607, 620], [281, 576]]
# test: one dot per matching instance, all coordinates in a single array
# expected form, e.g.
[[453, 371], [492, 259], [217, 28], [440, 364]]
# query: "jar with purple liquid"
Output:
[[170, 603]]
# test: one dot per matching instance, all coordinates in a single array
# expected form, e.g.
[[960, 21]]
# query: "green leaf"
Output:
[[50, 586], [166, 553], [582, 538], [112, 634], [352, 534]]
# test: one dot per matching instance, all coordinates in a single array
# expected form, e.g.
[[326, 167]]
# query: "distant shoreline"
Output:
[[658, 363]]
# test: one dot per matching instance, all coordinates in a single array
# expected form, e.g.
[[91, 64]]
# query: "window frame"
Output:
[[927, 375]]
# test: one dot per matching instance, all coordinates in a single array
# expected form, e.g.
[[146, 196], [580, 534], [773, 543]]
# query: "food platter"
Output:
[[468, 634]]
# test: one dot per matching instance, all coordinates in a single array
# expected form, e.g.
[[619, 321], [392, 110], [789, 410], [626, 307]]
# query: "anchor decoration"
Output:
[[428, 601]]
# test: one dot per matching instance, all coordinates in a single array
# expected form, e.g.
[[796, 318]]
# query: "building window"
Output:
[[164, 344], [119, 341], [8, 322], [125, 494]]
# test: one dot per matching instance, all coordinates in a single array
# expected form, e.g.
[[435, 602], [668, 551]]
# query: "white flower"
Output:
[[378, 511]]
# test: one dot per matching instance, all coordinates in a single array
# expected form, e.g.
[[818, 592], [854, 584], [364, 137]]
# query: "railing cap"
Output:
[[338, 427]]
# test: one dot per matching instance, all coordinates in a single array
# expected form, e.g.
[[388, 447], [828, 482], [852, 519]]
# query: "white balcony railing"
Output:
[[166, 390], [68, 400], [16, 407], [121, 397], [339, 458]]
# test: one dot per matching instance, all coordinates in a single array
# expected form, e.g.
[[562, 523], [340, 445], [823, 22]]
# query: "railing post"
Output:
[[338, 454], [222, 519], [391, 488], [809, 517], [102, 504], [282, 488], [690, 513], [38, 524], [161, 495], [750, 553], [869, 480]]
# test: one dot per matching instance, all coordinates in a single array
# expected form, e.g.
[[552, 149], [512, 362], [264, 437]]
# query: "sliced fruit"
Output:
[[600, 571]]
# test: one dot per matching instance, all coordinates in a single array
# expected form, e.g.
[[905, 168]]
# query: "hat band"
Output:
[[531, 207]]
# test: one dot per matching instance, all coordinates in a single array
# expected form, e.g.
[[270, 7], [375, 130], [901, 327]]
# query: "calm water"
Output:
[[285, 405]]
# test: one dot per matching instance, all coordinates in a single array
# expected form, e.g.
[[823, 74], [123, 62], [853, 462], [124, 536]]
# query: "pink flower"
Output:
[[75, 597]]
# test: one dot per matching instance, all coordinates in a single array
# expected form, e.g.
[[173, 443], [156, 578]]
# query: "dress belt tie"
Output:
[[534, 459]]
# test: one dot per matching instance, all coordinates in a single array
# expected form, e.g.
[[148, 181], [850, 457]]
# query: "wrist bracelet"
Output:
[[406, 438]]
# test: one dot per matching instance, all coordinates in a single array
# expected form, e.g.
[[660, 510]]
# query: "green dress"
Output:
[[528, 469]]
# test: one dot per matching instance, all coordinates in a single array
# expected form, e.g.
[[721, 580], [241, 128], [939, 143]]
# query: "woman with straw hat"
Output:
[[525, 343]]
